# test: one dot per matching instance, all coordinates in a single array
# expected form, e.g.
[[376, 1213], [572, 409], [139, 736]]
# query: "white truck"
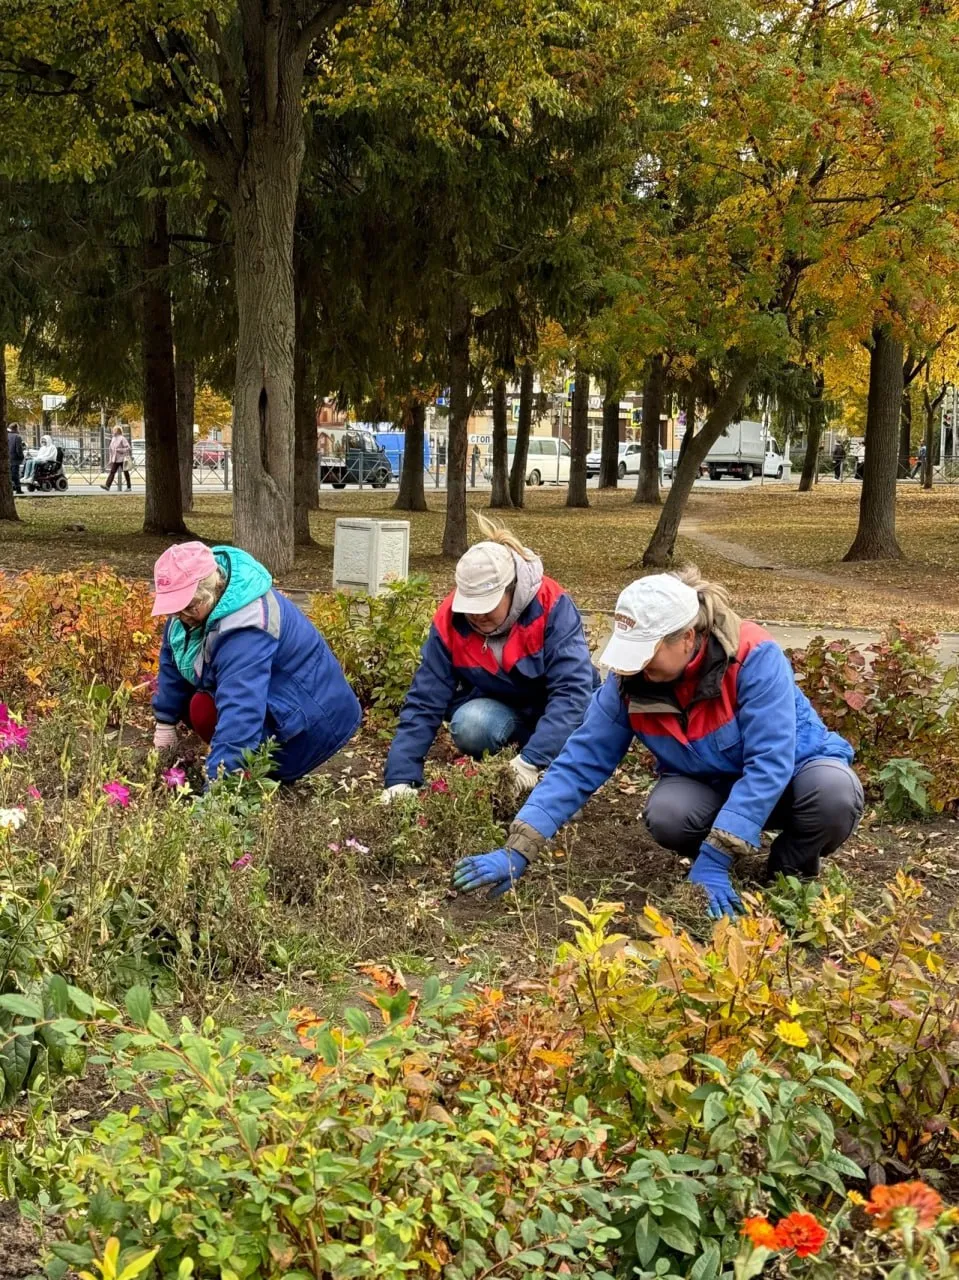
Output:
[[743, 450]]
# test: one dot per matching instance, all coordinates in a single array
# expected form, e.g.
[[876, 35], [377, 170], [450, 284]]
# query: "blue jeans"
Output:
[[483, 724]]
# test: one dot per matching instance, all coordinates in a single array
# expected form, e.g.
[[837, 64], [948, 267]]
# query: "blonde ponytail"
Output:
[[715, 617], [493, 530]]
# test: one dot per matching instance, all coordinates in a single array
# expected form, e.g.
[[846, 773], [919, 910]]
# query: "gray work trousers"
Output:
[[818, 812]]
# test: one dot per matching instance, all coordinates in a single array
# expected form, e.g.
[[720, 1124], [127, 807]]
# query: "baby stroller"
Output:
[[48, 476]]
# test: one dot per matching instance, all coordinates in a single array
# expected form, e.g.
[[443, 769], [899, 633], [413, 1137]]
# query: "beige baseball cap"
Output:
[[483, 576], [648, 611]]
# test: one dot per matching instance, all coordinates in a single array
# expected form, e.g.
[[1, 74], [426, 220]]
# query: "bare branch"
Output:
[[322, 20]]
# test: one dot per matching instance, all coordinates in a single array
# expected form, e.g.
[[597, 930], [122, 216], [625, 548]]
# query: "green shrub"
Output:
[[377, 640], [904, 788], [334, 1153]]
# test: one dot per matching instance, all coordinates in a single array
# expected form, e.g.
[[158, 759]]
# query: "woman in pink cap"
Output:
[[241, 665]]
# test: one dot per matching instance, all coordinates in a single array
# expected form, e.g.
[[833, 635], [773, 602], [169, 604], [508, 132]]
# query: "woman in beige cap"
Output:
[[506, 661]]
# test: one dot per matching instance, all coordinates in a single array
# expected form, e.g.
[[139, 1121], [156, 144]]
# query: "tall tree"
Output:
[[609, 449], [654, 402], [659, 552], [163, 512], [499, 495], [576, 495], [517, 475], [455, 534], [185, 415], [876, 535], [412, 492], [815, 423], [232, 83]]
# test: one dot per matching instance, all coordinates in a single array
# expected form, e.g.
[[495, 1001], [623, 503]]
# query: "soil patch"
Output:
[[18, 1244]]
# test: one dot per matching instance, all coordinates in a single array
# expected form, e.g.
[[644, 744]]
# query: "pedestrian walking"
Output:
[[121, 452], [838, 458], [16, 454], [920, 462]]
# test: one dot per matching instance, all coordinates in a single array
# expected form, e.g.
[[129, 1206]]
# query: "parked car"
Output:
[[630, 455], [208, 453], [547, 461]]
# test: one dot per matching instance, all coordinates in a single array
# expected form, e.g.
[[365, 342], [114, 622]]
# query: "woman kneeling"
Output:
[[241, 664], [506, 661], [738, 746]]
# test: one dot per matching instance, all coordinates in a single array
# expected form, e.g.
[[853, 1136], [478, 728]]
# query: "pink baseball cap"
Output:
[[178, 573]]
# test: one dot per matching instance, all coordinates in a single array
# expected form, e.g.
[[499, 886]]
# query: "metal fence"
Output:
[[86, 460]]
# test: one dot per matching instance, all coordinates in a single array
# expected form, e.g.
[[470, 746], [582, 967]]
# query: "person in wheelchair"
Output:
[[45, 470]]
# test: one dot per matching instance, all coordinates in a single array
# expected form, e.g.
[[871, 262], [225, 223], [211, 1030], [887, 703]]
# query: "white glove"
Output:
[[396, 792], [164, 737], [525, 775]]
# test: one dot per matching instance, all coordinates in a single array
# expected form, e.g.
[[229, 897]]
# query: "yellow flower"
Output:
[[855, 1198], [794, 1008], [792, 1033], [140, 638]]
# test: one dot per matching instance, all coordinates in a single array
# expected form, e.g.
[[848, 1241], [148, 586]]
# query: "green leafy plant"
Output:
[[377, 640], [904, 786], [332, 1153]]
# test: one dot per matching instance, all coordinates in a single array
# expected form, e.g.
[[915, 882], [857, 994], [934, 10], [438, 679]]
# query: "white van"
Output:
[[547, 461]]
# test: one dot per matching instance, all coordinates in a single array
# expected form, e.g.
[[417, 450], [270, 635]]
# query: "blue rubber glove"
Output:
[[497, 871], [711, 870]]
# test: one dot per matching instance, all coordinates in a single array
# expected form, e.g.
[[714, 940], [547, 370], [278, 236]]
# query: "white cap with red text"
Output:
[[648, 611]]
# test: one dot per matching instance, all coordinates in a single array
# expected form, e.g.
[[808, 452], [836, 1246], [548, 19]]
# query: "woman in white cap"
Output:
[[506, 661], [738, 746]]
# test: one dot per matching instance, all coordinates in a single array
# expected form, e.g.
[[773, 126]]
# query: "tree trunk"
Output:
[[930, 405], [264, 209], [926, 471], [500, 493], [185, 373], [876, 536], [455, 535], [814, 429], [8, 507], [517, 475], [905, 435], [689, 430], [661, 545], [306, 496], [609, 449], [163, 509], [654, 395], [412, 494], [576, 495]]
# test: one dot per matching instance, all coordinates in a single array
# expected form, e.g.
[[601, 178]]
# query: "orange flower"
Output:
[[761, 1232], [885, 1203], [801, 1232]]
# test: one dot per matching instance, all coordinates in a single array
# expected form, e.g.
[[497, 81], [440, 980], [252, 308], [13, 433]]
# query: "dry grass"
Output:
[[594, 553]]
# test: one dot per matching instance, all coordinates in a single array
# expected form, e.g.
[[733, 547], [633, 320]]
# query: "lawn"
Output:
[[792, 544]]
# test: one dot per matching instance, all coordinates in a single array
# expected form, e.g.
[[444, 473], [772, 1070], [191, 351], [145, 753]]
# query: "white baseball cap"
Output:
[[483, 576], [648, 611]]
